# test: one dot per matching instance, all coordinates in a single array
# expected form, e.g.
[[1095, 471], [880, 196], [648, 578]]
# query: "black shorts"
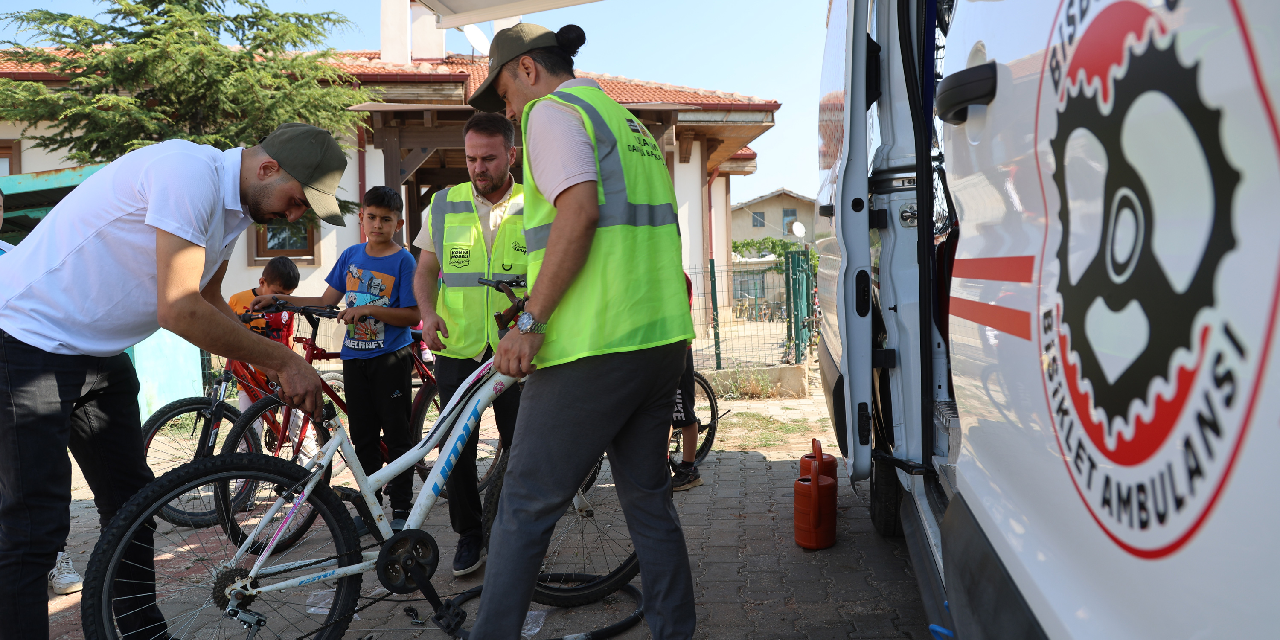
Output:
[[684, 412]]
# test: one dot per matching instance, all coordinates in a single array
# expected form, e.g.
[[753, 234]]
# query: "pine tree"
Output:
[[148, 71]]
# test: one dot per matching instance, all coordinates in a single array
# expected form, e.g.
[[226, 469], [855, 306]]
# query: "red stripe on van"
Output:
[[1011, 321], [1008, 269]]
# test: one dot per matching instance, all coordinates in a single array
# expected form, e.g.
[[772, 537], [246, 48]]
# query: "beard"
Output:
[[255, 200], [494, 182]]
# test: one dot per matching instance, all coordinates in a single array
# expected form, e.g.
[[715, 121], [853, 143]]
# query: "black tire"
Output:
[[596, 545], [188, 564], [171, 437], [243, 430], [708, 415], [886, 496]]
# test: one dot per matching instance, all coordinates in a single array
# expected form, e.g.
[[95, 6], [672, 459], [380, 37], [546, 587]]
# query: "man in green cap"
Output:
[[604, 334], [142, 244]]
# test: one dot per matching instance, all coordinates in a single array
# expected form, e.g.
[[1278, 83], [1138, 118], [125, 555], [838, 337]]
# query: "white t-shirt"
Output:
[[84, 282], [560, 150]]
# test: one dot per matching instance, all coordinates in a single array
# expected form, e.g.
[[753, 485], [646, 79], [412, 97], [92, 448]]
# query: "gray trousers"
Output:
[[570, 413]]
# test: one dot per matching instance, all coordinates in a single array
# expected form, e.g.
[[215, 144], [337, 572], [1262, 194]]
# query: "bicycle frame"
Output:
[[476, 394]]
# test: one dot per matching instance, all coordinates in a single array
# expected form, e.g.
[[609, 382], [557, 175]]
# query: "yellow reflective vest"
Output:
[[466, 306], [631, 292]]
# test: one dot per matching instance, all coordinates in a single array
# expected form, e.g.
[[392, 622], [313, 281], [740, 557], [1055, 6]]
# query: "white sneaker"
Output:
[[64, 579]]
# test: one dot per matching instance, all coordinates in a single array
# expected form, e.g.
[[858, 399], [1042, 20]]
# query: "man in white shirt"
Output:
[[141, 244]]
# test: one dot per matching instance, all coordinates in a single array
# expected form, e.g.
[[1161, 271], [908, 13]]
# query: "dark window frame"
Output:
[[757, 219], [260, 255]]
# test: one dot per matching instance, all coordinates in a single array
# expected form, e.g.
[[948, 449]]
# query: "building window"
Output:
[[757, 218], [297, 240], [788, 219], [10, 158]]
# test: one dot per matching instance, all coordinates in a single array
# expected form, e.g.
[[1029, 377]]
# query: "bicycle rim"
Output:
[[588, 542], [193, 567], [172, 436]]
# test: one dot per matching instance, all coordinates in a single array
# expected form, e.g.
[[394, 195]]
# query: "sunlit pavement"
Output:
[[751, 579]]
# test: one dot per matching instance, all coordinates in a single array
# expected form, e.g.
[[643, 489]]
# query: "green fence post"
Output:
[[715, 313], [786, 270]]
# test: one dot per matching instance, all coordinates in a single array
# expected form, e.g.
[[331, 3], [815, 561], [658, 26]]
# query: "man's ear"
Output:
[[528, 69], [512, 154], [267, 168]]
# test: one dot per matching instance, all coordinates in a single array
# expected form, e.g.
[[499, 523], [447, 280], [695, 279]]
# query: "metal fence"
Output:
[[753, 313]]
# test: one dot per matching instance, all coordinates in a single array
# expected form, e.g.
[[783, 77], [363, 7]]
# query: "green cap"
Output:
[[507, 45], [311, 156]]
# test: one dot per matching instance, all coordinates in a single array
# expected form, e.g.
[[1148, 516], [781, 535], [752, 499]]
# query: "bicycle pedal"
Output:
[[449, 617]]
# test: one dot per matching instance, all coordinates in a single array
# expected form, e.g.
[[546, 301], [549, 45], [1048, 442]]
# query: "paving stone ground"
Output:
[[751, 579]]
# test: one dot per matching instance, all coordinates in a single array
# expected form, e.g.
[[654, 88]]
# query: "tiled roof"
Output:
[[780, 192], [366, 66], [745, 153], [624, 90]]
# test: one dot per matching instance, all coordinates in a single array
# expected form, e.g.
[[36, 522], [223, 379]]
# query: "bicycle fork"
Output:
[[213, 420]]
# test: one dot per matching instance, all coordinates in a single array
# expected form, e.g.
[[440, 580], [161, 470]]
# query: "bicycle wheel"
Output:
[[269, 411], [171, 437], [590, 555], [708, 414], [193, 569]]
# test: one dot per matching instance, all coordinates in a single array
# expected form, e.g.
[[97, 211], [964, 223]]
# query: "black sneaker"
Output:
[[470, 555], [685, 477], [398, 519]]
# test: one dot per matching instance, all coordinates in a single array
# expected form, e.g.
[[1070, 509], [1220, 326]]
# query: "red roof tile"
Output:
[[367, 67], [744, 153]]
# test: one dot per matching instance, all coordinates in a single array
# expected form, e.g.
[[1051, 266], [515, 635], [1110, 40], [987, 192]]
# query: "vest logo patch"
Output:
[[459, 257], [517, 247]]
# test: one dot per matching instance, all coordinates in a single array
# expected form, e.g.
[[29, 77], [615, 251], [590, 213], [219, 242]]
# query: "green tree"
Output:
[[150, 71], [761, 247]]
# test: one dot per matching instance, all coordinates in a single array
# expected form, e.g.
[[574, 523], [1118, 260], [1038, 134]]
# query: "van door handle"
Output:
[[962, 89]]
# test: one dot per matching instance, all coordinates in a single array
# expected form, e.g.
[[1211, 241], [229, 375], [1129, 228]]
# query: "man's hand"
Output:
[[262, 302], [300, 387], [431, 324], [352, 315], [515, 353]]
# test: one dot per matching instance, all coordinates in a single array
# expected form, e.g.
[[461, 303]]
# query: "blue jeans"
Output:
[[49, 403]]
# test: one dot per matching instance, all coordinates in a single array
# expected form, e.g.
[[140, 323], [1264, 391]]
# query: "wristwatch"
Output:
[[526, 324]]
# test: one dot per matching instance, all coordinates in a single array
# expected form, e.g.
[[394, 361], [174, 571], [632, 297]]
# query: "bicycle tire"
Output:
[[238, 432], [560, 583], [189, 564], [704, 395], [170, 451]]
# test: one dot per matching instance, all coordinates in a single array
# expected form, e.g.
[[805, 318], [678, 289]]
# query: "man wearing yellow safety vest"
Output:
[[473, 230], [604, 334]]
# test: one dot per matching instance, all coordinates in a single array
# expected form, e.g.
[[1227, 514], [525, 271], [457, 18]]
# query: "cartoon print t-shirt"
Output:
[[384, 282]]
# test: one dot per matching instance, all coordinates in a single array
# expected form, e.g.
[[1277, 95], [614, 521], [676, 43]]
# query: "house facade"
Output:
[[415, 143], [774, 215]]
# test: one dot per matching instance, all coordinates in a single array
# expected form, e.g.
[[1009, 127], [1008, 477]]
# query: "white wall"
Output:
[[34, 159], [721, 236], [688, 180]]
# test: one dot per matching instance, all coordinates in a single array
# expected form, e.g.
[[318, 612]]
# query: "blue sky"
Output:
[[752, 47]]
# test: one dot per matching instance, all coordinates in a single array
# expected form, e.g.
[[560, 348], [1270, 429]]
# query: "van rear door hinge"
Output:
[[864, 424], [911, 468], [878, 219]]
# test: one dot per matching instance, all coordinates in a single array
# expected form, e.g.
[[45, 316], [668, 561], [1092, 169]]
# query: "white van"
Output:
[[1058, 372]]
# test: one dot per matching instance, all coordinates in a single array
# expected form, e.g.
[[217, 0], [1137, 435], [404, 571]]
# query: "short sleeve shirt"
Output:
[[367, 280], [277, 326], [84, 281]]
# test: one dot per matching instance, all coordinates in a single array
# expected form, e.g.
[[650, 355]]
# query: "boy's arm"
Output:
[[331, 296], [394, 316]]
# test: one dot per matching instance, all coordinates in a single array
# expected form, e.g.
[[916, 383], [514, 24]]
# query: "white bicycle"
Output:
[[284, 558]]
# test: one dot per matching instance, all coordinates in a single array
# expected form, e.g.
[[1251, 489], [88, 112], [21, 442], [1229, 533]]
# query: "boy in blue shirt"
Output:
[[375, 279]]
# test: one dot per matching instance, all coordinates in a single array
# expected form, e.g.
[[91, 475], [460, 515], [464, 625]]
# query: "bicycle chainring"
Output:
[[1122, 273], [414, 543]]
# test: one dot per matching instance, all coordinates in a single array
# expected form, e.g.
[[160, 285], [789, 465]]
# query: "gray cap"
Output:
[[311, 156], [507, 45]]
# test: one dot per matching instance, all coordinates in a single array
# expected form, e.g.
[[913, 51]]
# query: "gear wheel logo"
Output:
[[1149, 340], [1128, 305]]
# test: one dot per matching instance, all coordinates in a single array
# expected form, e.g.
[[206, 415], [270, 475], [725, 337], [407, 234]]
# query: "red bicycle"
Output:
[[293, 443]]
